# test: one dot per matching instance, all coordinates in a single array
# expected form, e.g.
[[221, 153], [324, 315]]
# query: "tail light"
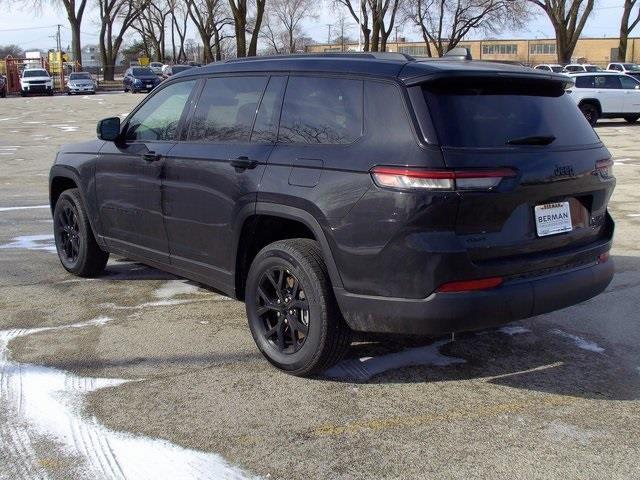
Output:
[[604, 167], [420, 179], [470, 285]]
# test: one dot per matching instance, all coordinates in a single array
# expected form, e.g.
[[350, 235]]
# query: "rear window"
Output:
[[479, 113], [80, 76]]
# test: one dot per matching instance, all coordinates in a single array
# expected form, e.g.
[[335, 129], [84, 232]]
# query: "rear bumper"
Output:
[[442, 313]]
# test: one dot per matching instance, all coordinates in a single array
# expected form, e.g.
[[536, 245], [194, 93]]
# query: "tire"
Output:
[[77, 248], [3, 94], [126, 90], [632, 119], [23, 94], [274, 317], [590, 112]]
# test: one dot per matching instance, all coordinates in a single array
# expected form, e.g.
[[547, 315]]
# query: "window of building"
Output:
[[321, 110], [413, 50], [226, 109], [500, 49], [542, 49]]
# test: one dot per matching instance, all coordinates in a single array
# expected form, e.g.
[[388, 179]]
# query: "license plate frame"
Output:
[[552, 218]]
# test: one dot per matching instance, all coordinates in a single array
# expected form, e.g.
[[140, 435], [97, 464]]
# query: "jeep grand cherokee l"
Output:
[[362, 192]]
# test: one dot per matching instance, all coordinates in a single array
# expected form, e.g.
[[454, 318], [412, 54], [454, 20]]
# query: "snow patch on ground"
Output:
[[173, 288], [32, 242], [31, 207], [579, 341], [45, 400], [365, 368], [513, 330]]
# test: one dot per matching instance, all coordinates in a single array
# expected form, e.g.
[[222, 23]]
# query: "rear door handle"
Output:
[[151, 156], [244, 163]]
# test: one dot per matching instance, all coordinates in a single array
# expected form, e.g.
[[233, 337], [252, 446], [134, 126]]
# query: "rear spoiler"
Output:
[[564, 80]]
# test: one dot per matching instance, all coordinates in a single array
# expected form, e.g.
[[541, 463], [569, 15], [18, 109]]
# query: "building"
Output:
[[599, 51], [91, 57]]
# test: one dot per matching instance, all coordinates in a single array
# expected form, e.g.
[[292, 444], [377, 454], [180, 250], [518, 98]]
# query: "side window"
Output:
[[226, 109], [612, 82], [158, 118], [266, 126], [628, 83], [586, 81], [321, 110]]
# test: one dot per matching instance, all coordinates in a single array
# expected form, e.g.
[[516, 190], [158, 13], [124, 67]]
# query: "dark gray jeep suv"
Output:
[[341, 193]]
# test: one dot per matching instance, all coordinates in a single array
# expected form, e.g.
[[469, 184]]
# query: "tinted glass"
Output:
[[632, 67], [574, 68], [226, 109], [628, 83], [35, 73], [321, 110], [607, 81], [142, 71], [158, 118], [592, 68], [489, 113], [557, 69], [585, 81], [542, 67], [266, 126]]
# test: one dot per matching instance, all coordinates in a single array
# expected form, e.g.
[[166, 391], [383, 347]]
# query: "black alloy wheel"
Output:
[[69, 232], [283, 310], [77, 248], [292, 311]]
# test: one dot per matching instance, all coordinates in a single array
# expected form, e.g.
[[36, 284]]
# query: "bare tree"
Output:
[[210, 18], [568, 18], [444, 23], [178, 12], [630, 20], [382, 14], [75, 11], [282, 23], [151, 25], [353, 6], [240, 11], [116, 18]]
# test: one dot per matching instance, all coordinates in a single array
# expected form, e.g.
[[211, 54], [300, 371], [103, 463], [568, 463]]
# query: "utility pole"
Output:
[[59, 42], [329, 33]]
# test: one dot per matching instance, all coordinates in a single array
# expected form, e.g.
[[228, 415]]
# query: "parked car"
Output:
[[632, 69], [81, 82], [137, 79], [606, 95], [156, 67], [550, 67], [460, 195], [173, 69], [581, 68], [35, 80], [3, 86]]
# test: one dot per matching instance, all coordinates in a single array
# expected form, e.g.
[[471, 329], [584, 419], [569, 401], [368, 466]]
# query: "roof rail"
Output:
[[371, 55]]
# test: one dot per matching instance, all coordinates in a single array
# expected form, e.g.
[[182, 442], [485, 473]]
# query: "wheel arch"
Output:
[[281, 222], [593, 101]]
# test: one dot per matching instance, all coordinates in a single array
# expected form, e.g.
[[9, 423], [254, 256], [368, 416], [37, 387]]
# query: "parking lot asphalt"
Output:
[[139, 374]]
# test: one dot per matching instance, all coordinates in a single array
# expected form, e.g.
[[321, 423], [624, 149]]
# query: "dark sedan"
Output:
[[137, 79]]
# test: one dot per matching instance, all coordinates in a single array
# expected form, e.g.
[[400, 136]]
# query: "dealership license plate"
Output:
[[553, 218]]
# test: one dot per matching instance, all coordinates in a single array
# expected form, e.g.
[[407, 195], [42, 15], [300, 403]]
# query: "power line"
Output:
[[26, 28]]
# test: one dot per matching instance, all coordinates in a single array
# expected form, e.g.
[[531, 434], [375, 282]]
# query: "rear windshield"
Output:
[[557, 69], [592, 68], [142, 71], [479, 113], [632, 67]]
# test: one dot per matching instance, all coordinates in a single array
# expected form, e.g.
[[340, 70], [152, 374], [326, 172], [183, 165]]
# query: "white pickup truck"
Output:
[[606, 95]]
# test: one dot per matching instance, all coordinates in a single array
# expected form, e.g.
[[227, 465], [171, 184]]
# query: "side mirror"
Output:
[[109, 129]]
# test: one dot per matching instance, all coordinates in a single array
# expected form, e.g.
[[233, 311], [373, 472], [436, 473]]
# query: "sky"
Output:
[[29, 30]]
